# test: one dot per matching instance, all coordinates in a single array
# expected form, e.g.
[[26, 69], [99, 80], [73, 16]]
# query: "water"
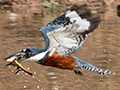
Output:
[[20, 28]]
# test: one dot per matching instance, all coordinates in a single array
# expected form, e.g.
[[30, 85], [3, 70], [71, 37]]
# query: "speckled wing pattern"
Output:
[[67, 39], [68, 32]]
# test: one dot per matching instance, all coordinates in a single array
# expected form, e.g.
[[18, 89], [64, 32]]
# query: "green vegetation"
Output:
[[53, 5], [93, 12]]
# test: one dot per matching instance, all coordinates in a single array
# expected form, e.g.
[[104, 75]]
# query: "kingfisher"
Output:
[[63, 37]]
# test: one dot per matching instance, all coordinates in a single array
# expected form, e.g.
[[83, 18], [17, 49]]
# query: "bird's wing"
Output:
[[67, 33]]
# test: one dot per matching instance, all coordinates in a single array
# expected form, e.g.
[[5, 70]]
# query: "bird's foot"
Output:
[[77, 71]]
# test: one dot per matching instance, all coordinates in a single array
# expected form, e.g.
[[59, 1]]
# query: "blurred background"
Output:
[[20, 21]]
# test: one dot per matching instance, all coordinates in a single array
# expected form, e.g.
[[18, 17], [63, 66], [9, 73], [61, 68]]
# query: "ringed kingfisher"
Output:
[[63, 37]]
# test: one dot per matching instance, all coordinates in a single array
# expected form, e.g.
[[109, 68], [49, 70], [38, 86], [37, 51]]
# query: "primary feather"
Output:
[[67, 33]]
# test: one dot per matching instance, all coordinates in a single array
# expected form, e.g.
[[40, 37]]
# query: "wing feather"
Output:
[[67, 33]]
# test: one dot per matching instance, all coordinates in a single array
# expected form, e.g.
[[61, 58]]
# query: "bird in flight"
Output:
[[63, 37]]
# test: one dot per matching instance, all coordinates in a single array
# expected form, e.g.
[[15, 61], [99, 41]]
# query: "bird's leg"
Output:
[[77, 71], [87, 66]]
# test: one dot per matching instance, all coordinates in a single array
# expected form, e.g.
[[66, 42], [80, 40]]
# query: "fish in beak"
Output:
[[15, 60]]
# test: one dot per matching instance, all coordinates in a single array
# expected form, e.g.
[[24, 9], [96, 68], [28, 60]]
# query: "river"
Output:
[[19, 28]]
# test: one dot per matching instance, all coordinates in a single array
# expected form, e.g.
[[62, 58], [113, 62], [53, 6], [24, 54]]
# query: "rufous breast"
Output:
[[59, 61]]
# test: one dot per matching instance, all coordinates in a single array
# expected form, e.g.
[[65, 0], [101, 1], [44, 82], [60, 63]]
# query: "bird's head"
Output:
[[28, 53]]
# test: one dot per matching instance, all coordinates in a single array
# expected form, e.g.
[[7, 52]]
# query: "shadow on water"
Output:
[[20, 28]]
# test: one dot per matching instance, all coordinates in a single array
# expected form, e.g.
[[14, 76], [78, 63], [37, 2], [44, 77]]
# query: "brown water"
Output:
[[20, 28]]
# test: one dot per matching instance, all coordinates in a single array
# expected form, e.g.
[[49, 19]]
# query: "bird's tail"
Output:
[[84, 65]]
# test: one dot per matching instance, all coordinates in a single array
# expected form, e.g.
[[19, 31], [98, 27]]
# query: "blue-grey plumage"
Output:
[[55, 24], [87, 66], [64, 36]]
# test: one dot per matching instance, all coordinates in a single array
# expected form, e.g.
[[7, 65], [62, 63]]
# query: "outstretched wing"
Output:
[[67, 33]]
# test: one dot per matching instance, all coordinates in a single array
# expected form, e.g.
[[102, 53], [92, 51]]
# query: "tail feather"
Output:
[[84, 65], [95, 69]]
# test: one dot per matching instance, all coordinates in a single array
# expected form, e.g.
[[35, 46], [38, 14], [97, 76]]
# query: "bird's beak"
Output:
[[20, 56], [12, 59], [15, 60]]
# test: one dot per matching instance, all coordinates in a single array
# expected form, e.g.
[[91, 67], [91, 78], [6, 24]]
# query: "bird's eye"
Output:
[[27, 51]]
